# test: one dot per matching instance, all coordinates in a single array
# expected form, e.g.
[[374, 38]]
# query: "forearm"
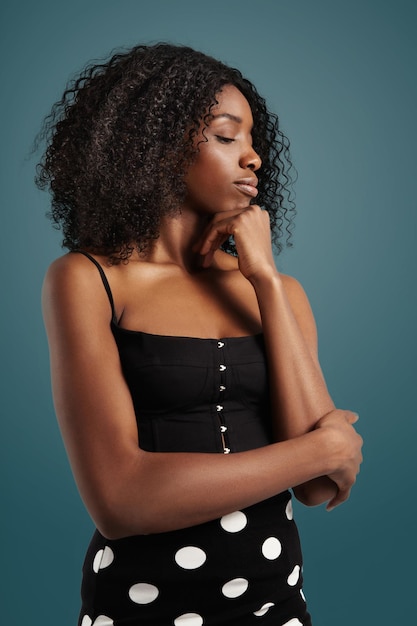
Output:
[[299, 395], [159, 492]]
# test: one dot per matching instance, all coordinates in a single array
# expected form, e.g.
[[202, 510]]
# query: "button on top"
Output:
[[220, 344]]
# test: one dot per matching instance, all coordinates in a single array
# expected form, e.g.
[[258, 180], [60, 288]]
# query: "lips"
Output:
[[247, 186]]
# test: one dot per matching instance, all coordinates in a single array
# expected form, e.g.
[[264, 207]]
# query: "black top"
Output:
[[192, 394]]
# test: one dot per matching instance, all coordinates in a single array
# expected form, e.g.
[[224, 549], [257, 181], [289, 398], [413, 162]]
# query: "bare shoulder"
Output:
[[294, 290], [72, 282], [69, 267]]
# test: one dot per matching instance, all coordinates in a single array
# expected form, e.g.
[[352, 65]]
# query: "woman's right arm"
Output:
[[130, 491]]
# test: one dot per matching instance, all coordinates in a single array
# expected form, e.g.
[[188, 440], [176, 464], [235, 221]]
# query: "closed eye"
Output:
[[222, 139]]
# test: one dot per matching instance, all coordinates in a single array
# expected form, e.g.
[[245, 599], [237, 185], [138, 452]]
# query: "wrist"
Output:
[[313, 454], [331, 449], [327, 458], [267, 279]]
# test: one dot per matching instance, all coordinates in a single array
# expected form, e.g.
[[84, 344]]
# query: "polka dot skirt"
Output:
[[239, 570]]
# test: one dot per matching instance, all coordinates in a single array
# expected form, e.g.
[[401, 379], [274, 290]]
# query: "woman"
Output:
[[185, 378]]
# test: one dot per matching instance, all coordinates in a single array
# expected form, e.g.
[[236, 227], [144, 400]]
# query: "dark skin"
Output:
[[186, 286]]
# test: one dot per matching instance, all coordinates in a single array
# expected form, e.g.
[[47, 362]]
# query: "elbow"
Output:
[[316, 491], [114, 525], [116, 519], [117, 509], [109, 522], [112, 529], [129, 501], [306, 496]]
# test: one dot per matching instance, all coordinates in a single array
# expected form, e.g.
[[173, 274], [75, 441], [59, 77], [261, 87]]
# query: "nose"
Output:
[[250, 159]]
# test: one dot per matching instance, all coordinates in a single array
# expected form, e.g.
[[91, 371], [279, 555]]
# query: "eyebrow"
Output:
[[229, 116]]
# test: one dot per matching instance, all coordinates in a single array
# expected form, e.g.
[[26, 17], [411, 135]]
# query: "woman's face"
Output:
[[222, 177]]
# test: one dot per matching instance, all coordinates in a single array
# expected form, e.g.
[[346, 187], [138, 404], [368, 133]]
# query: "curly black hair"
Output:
[[122, 136]]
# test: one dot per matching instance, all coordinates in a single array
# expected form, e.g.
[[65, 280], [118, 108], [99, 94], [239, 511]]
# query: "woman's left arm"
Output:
[[299, 395]]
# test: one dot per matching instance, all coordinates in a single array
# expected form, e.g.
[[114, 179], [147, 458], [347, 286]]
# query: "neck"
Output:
[[177, 236]]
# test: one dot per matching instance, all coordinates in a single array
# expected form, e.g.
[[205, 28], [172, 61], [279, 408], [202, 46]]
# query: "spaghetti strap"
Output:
[[104, 279]]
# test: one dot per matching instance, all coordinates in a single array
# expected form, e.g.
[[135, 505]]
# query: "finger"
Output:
[[352, 417], [207, 256], [209, 232], [217, 235], [208, 259], [203, 246]]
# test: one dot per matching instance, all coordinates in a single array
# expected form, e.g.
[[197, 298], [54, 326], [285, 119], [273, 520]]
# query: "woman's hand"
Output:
[[251, 231], [346, 445]]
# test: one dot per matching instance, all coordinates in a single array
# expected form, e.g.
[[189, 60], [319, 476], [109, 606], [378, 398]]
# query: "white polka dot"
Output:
[[189, 619], [235, 587], [293, 622], [103, 620], [264, 609], [108, 557], [190, 557], [294, 576], [234, 522], [302, 595], [271, 548], [97, 561], [103, 559], [288, 510], [143, 593], [86, 621]]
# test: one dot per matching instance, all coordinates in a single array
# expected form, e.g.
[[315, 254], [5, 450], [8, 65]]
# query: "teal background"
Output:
[[342, 76]]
